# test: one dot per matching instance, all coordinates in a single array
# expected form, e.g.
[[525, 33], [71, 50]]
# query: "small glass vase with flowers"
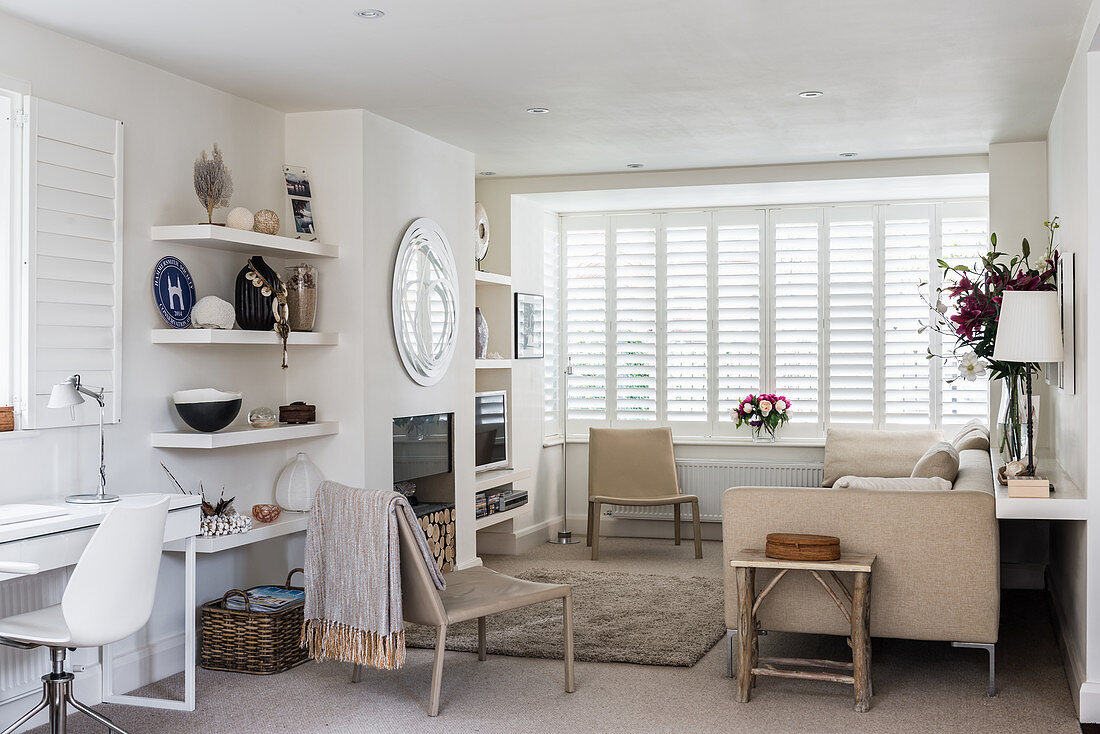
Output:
[[764, 414]]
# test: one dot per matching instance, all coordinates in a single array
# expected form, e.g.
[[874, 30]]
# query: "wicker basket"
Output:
[[244, 641]]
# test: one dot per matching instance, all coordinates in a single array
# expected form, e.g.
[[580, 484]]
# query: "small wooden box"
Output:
[[1029, 487], [7, 418], [801, 547], [297, 412]]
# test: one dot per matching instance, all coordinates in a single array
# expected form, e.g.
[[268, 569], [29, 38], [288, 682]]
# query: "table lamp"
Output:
[[1029, 330], [69, 394]]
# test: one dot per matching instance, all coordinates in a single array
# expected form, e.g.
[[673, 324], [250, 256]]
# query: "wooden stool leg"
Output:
[[595, 534], [747, 646], [861, 641], [567, 629], [481, 642], [676, 522], [696, 529]]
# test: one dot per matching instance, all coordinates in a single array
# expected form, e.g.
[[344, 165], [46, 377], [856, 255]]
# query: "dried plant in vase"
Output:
[[213, 182], [278, 306]]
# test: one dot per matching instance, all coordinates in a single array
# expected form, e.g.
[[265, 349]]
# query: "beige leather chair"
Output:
[[472, 593], [634, 466]]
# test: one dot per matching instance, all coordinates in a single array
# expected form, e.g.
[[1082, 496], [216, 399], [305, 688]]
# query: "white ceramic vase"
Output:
[[298, 484]]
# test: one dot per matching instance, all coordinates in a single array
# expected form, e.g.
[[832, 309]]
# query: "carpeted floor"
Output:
[[919, 687], [649, 619]]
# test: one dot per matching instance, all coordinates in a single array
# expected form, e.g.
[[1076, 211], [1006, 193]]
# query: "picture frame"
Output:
[[529, 326], [299, 202]]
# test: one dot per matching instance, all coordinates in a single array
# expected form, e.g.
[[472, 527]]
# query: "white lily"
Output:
[[971, 366]]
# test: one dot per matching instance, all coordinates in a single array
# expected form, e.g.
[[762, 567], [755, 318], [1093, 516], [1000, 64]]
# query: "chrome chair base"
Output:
[[57, 696]]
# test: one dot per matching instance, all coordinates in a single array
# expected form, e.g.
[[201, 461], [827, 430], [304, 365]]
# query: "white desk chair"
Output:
[[109, 597]]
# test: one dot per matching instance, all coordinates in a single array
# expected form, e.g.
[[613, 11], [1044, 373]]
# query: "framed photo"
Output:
[[303, 216], [297, 182], [529, 326], [1067, 289]]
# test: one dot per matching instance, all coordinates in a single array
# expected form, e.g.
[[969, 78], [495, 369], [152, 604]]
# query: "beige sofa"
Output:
[[936, 576]]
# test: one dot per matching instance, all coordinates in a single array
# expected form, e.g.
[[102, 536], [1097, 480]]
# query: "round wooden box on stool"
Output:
[[801, 547]]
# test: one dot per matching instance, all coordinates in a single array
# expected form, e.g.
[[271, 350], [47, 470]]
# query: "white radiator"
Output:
[[21, 670], [709, 479]]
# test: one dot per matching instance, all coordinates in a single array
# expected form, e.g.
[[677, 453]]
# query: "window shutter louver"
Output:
[[586, 327], [551, 288], [686, 309], [739, 235], [74, 259], [796, 302], [908, 371], [851, 315], [965, 238], [635, 294]]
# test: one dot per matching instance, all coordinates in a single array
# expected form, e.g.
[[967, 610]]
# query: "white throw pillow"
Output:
[[931, 484]]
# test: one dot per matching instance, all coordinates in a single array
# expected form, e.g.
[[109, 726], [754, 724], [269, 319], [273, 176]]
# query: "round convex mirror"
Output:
[[425, 302]]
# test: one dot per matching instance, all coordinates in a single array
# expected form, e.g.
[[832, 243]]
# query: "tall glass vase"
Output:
[[1012, 419]]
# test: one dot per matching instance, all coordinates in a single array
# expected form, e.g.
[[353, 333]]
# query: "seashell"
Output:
[[265, 291], [266, 221], [1015, 468], [266, 513], [212, 312], [239, 218]]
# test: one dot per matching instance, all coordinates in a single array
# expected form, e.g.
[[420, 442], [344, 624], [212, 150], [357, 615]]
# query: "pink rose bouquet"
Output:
[[764, 413]]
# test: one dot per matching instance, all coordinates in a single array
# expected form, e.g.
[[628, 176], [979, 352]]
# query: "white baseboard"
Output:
[[472, 563], [517, 542], [1085, 695]]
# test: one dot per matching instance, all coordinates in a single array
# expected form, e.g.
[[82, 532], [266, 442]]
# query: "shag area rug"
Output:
[[617, 618]]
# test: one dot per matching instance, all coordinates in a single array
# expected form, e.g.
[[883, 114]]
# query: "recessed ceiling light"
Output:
[[811, 94], [369, 13], [848, 155], [487, 173], [538, 110], [635, 165]]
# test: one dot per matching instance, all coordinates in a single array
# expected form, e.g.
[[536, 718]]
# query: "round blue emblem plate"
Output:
[[174, 291]]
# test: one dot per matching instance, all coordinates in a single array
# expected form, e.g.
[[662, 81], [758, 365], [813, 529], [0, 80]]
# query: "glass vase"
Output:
[[301, 296], [1012, 419], [763, 434]]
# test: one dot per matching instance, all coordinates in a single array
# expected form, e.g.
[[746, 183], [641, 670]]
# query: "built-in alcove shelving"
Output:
[[216, 237], [242, 435], [243, 337]]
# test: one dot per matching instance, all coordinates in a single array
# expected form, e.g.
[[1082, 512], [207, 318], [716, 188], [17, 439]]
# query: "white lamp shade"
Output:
[[298, 484], [1029, 328], [64, 395]]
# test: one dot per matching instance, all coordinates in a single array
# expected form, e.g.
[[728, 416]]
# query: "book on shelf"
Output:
[[267, 599]]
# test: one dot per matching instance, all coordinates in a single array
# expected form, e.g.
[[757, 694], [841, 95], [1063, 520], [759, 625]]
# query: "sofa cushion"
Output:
[[869, 453], [941, 460], [927, 484], [972, 439]]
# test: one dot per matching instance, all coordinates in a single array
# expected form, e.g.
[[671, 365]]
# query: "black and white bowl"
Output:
[[207, 409]]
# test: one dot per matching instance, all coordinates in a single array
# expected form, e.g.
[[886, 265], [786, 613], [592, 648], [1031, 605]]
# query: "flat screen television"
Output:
[[490, 430], [422, 446]]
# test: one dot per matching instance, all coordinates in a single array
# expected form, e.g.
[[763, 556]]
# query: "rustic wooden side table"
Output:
[[857, 610]]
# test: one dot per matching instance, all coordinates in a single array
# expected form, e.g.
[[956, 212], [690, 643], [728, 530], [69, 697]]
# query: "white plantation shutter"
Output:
[[635, 295], [686, 317], [965, 239], [586, 327], [851, 315], [551, 289], [739, 236], [907, 246], [74, 259], [796, 302]]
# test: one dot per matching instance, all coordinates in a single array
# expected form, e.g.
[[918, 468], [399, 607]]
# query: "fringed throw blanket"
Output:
[[353, 576]]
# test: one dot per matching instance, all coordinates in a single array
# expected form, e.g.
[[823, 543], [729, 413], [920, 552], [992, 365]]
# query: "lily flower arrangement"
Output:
[[763, 413]]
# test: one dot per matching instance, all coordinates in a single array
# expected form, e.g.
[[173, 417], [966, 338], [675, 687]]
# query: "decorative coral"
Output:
[[213, 182]]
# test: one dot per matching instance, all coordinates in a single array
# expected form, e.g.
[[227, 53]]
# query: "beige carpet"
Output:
[[649, 619], [919, 687]]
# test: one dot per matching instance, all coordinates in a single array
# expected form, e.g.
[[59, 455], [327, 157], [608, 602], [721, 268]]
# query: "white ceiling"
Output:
[[668, 83]]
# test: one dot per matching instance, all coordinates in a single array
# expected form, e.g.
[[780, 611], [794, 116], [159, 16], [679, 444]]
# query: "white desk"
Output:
[[1067, 502], [57, 542]]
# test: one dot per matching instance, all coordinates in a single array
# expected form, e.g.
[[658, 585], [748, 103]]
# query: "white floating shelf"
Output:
[[492, 278], [495, 519], [240, 240], [242, 436], [498, 478], [493, 364], [288, 523], [240, 336]]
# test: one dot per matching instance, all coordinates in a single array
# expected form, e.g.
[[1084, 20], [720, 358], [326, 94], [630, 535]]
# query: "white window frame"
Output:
[[715, 428], [11, 239]]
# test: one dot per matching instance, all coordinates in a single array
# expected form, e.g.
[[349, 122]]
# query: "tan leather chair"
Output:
[[634, 466], [471, 593]]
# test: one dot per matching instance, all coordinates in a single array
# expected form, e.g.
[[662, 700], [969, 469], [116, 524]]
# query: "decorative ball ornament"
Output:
[[266, 222], [266, 513], [212, 312], [240, 218]]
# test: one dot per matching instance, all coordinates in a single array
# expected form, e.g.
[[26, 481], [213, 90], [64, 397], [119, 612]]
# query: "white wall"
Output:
[[1073, 152], [168, 121]]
